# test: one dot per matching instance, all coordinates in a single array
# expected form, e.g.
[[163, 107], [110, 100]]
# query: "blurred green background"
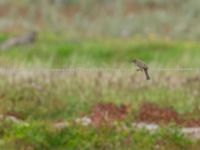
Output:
[[102, 33], [97, 18]]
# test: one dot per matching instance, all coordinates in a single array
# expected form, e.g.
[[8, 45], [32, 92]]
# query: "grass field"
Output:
[[108, 52], [75, 86], [43, 98]]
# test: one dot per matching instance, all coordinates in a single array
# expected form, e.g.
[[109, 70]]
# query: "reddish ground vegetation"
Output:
[[108, 113], [152, 113]]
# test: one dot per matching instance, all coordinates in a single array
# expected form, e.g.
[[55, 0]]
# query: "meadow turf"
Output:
[[51, 52]]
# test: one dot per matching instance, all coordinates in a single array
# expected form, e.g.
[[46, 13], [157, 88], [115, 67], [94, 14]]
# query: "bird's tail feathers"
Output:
[[146, 74]]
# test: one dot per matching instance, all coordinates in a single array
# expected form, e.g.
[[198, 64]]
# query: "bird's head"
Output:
[[134, 60]]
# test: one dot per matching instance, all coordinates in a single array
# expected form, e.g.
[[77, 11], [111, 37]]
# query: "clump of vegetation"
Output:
[[41, 136]]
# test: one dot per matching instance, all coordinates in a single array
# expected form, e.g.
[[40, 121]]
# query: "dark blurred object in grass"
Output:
[[28, 38]]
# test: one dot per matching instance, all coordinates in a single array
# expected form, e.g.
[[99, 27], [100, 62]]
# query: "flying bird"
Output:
[[142, 67]]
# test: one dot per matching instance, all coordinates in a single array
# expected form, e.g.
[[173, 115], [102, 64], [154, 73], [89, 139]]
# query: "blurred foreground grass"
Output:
[[42, 136]]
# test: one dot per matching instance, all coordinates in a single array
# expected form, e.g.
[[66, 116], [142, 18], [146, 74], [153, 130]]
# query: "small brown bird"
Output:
[[27, 38], [142, 67]]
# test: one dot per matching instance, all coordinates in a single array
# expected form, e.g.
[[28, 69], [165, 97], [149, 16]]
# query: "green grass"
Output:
[[41, 136], [98, 53], [67, 96]]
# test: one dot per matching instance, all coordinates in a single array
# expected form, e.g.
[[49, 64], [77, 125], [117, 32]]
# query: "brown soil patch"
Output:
[[108, 113], [152, 113]]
